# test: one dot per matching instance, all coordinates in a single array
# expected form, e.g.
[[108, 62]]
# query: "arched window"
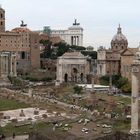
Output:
[[22, 55], [1, 15], [75, 70], [82, 77]]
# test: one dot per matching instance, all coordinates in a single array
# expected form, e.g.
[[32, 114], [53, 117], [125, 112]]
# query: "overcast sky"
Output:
[[99, 18]]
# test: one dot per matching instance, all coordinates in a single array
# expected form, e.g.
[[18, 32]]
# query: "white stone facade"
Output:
[[72, 36]]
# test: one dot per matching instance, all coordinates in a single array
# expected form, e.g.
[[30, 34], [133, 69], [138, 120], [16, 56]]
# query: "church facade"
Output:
[[109, 60]]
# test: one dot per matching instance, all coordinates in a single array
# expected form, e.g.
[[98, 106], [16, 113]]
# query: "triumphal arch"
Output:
[[73, 67]]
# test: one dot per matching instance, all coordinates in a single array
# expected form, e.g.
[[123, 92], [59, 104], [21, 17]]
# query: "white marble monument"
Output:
[[72, 36]]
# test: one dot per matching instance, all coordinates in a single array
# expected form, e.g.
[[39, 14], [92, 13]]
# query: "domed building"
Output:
[[119, 41], [109, 60]]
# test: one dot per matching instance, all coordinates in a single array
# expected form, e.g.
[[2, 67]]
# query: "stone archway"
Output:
[[82, 77], [66, 78], [74, 75]]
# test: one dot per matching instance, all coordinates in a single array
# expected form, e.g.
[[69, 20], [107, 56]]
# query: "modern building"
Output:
[[73, 67]]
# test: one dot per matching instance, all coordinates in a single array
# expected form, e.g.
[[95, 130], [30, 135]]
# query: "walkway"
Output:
[[24, 137]]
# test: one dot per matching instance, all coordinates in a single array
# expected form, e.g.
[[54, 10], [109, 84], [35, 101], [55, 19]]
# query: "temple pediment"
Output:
[[129, 51]]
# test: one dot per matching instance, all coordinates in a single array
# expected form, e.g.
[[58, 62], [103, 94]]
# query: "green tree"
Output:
[[77, 89], [78, 48], [124, 84], [92, 54], [47, 51], [118, 81], [61, 48]]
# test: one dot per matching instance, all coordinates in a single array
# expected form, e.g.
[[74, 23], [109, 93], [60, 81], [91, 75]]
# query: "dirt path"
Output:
[[24, 137]]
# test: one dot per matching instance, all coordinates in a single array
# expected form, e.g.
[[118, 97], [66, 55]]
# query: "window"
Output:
[[22, 55], [1, 23]]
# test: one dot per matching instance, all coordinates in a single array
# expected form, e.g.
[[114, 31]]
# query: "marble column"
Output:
[[15, 66], [81, 40], [11, 70], [1, 64], [77, 40], [6, 64], [134, 100], [74, 40]]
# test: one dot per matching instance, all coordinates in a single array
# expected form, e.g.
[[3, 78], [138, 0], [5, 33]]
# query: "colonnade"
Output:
[[76, 40], [8, 64]]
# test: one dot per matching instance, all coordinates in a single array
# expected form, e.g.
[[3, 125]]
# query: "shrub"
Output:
[[16, 81], [77, 89]]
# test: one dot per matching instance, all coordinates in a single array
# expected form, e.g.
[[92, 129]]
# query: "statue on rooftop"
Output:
[[75, 22], [23, 24]]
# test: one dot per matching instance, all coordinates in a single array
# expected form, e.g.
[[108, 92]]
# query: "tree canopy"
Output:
[[58, 49], [118, 81], [47, 51]]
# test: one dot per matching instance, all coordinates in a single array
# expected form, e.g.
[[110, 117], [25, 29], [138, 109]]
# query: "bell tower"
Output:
[[2, 19]]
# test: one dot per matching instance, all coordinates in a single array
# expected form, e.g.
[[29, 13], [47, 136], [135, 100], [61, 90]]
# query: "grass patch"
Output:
[[8, 104], [9, 129], [125, 100], [121, 125]]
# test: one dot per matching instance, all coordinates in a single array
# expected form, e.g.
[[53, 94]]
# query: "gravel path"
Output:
[[24, 137]]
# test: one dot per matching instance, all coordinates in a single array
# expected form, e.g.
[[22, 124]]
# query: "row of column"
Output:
[[75, 40], [8, 64]]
